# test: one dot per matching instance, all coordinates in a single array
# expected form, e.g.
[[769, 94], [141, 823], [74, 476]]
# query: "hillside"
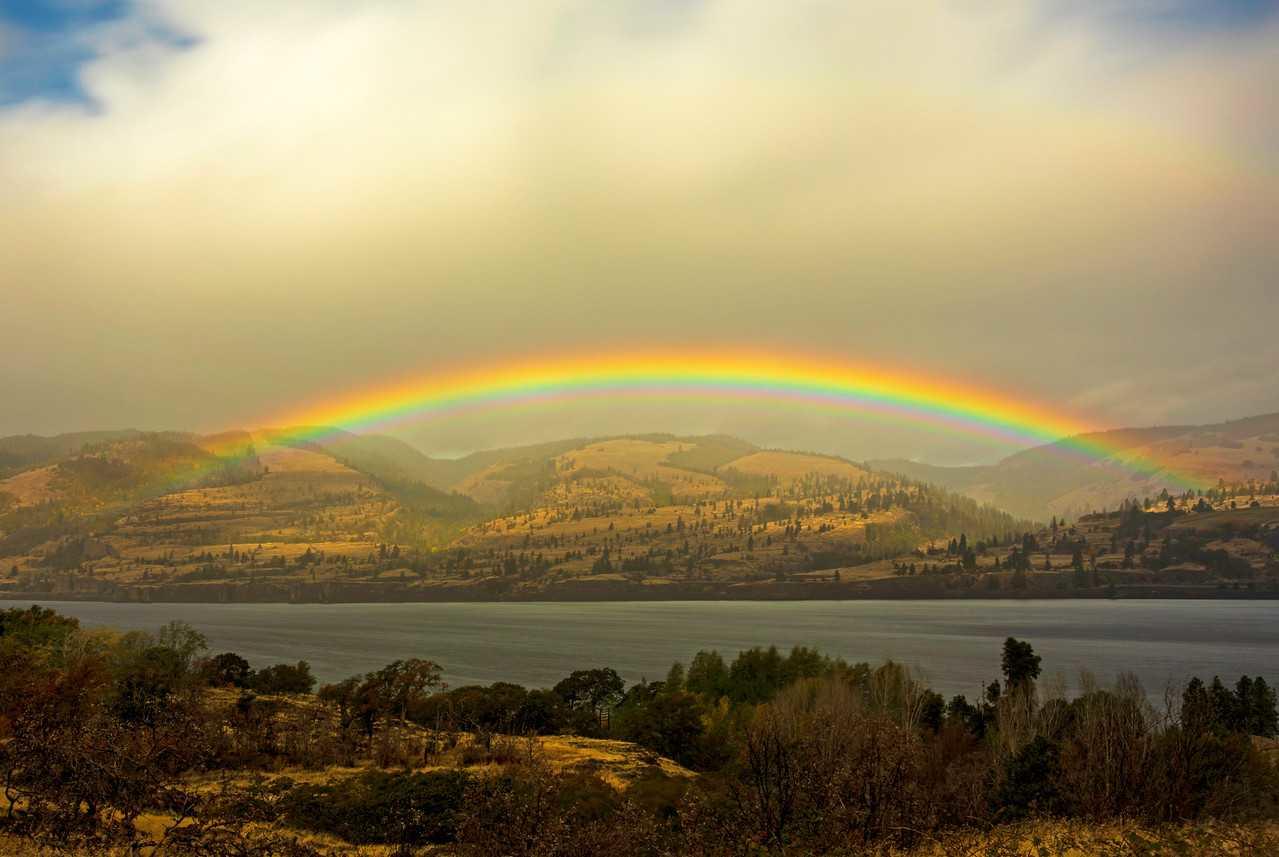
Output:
[[24, 451], [1053, 481], [262, 516]]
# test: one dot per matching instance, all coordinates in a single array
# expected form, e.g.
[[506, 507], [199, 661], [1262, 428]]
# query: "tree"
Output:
[[756, 675], [225, 669], [1225, 706], [402, 684], [669, 723], [1197, 715], [597, 689], [1020, 664], [283, 678], [145, 683], [344, 695], [674, 678], [36, 626], [185, 641], [707, 675], [1256, 701]]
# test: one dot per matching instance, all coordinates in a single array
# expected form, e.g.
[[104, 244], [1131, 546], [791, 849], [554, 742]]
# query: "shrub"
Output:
[[283, 678], [377, 807], [530, 811], [226, 669], [668, 723], [1028, 782]]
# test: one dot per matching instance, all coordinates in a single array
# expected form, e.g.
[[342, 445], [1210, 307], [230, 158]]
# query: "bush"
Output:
[[283, 678], [226, 669], [668, 723], [1028, 783], [530, 811], [1206, 775], [500, 707], [377, 807]]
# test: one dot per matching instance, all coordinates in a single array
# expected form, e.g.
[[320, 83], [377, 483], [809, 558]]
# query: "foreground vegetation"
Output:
[[144, 742]]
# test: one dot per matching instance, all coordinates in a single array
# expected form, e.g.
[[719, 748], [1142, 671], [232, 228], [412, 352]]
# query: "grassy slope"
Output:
[[1050, 480]]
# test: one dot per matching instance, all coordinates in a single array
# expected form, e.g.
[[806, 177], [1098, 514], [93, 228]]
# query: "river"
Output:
[[954, 644]]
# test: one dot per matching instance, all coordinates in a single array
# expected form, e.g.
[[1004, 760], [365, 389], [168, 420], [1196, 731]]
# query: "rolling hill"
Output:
[[263, 515], [1054, 481], [179, 515]]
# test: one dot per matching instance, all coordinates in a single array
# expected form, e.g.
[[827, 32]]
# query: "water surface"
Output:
[[955, 644]]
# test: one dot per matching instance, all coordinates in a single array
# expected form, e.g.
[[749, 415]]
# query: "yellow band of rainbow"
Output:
[[715, 375]]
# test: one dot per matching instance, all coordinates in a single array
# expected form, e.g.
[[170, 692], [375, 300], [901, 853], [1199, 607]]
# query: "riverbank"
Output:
[[612, 588]]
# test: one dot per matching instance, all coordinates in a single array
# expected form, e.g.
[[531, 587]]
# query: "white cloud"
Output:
[[395, 183]]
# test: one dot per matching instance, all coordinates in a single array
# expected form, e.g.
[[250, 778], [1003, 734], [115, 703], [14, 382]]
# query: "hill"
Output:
[[264, 516], [24, 451], [1053, 481]]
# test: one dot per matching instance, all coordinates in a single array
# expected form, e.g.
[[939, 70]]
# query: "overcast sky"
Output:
[[209, 210]]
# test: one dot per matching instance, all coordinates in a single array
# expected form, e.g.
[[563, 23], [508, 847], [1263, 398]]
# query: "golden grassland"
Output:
[[791, 467], [31, 487], [642, 460]]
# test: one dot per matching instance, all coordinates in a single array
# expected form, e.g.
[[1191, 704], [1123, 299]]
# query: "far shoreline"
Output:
[[629, 598]]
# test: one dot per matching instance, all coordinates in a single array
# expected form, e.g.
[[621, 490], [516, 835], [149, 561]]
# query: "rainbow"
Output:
[[713, 375]]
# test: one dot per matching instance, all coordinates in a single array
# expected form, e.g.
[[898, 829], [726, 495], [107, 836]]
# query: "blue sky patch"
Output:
[[44, 44]]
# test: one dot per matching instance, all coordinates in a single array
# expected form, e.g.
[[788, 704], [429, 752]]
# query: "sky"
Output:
[[211, 210]]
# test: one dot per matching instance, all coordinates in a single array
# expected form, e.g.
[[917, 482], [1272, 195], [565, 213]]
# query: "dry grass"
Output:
[[791, 467], [1031, 839], [1112, 839], [31, 487], [641, 460]]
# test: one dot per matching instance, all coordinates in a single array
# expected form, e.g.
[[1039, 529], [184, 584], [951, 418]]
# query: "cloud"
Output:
[[297, 197]]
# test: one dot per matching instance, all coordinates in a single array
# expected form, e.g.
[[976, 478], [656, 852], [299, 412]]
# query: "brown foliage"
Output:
[[532, 811]]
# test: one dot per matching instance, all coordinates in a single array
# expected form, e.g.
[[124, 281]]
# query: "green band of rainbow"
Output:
[[716, 376]]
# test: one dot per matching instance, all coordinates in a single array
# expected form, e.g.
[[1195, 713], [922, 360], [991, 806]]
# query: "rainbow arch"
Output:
[[717, 375]]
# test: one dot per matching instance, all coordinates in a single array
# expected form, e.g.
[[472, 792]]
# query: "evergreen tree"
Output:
[[1020, 664]]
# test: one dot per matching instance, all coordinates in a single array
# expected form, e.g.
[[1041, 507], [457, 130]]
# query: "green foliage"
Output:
[[500, 707], [707, 675], [593, 689], [283, 678], [36, 626], [1249, 709], [669, 723], [226, 670], [1029, 782], [1019, 663]]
